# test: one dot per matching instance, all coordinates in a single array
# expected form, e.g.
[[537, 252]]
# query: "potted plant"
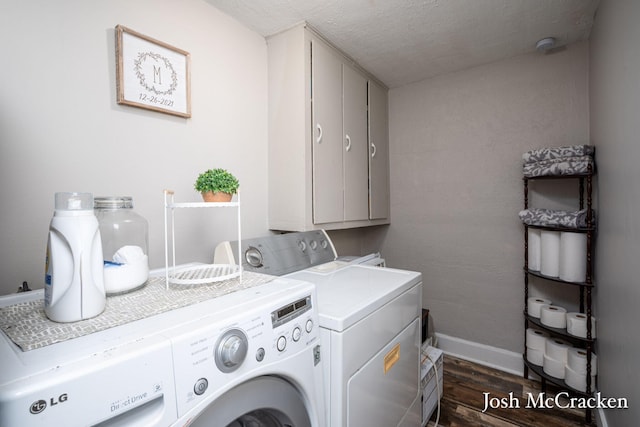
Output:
[[217, 185]]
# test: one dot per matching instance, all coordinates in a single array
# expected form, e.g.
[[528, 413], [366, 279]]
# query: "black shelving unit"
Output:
[[585, 183]]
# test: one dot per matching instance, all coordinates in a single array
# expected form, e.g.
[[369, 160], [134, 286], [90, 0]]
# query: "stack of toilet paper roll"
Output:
[[560, 360], [577, 325], [573, 257], [575, 371], [533, 249], [536, 345], [535, 304], [557, 254], [555, 357], [555, 316], [550, 253]]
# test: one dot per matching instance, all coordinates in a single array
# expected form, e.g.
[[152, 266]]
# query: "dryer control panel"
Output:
[[279, 254]]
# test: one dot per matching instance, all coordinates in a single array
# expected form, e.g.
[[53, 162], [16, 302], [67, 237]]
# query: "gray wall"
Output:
[[456, 183], [62, 130], [615, 129]]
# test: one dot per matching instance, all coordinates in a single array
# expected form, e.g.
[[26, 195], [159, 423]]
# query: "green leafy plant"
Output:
[[217, 180]]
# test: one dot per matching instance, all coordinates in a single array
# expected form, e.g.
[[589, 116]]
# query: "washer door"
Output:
[[261, 402]]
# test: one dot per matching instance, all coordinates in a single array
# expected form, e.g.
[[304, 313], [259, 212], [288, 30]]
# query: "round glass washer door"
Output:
[[261, 402]]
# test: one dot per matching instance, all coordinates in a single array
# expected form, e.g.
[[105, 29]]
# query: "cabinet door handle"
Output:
[[373, 149], [319, 139], [348, 139]]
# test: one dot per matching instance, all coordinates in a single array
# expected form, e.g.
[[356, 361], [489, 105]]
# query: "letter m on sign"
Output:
[[157, 77]]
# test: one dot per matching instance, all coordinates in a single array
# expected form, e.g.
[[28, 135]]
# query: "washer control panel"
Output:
[[216, 353]]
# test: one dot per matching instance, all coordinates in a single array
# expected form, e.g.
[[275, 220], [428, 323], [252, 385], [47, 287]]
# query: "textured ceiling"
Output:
[[404, 41]]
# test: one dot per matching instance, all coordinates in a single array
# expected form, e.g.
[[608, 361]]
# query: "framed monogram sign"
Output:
[[151, 74]]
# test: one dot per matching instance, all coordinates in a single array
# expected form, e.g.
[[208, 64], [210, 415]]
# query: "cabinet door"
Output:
[[354, 154], [326, 98], [378, 152]]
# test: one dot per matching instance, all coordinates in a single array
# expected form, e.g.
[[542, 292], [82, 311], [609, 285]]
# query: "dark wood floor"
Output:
[[463, 400]]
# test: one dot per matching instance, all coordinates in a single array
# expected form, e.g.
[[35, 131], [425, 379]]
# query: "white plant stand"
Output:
[[195, 274]]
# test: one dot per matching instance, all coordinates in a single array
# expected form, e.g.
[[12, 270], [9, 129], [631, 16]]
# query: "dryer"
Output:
[[369, 322], [250, 357]]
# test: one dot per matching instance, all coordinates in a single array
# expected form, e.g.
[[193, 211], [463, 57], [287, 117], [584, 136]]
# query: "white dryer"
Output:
[[250, 357], [369, 321]]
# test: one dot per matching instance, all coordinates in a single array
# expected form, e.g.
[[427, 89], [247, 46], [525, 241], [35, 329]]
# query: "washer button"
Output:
[[260, 354], [201, 386], [281, 344], [296, 334], [309, 325]]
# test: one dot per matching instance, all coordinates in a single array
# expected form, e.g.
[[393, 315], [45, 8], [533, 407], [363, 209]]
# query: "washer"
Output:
[[369, 321], [265, 368], [251, 357]]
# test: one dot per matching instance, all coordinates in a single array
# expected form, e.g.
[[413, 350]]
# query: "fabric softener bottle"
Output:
[[74, 283]]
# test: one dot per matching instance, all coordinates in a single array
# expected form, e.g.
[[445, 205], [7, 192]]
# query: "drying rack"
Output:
[[196, 274]]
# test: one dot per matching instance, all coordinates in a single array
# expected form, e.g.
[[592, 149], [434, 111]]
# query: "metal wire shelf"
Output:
[[202, 273]]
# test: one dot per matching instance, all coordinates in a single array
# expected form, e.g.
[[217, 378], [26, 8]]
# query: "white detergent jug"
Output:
[[74, 281]]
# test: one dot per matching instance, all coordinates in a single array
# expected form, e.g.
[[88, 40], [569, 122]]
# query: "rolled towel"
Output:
[[559, 167], [555, 218], [550, 153]]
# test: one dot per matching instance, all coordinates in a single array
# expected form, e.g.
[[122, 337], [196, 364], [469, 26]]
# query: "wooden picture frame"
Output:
[[151, 74]]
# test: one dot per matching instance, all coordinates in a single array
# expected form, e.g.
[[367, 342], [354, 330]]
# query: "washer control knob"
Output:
[[313, 244], [302, 245], [231, 350], [253, 256], [309, 325], [260, 354], [281, 344], [201, 386], [296, 334]]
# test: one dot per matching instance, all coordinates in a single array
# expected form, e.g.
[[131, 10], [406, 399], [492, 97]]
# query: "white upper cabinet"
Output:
[[354, 152], [322, 134], [326, 108], [378, 152]]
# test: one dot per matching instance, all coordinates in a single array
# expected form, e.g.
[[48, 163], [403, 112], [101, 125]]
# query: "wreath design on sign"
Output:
[[139, 63]]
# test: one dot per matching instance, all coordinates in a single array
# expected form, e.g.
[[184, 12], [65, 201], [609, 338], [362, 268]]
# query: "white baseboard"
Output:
[[601, 420], [493, 357]]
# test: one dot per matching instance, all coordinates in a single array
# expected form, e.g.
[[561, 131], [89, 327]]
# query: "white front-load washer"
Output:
[[253, 364], [369, 321], [250, 357]]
